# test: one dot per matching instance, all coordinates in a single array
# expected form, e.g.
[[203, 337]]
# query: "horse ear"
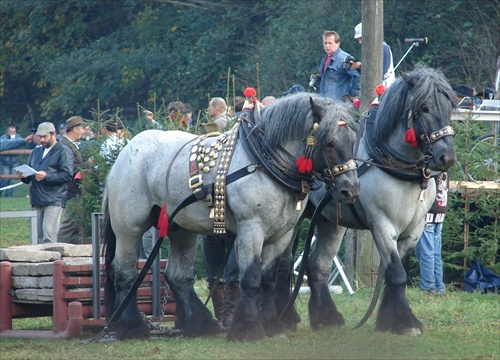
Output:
[[411, 81], [317, 110]]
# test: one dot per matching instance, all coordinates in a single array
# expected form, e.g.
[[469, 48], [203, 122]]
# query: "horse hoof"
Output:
[[411, 332], [282, 336]]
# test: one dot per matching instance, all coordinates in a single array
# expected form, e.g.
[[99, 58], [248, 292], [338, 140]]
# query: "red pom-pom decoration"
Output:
[[304, 165], [249, 92], [163, 221], [411, 137], [380, 89], [357, 103]]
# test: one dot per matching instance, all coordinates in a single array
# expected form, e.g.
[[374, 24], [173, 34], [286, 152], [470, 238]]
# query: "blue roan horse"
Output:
[[156, 167], [392, 204]]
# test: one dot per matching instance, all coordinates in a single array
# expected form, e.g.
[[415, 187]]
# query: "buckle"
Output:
[[195, 181]]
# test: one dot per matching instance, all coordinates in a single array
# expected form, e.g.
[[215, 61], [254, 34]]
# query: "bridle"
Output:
[[428, 139], [330, 171]]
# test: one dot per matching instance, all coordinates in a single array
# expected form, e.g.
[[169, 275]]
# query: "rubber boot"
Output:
[[218, 303], [231, 300]]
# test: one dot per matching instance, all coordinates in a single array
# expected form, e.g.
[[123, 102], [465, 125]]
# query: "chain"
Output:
[[157, 325], [106, 334]]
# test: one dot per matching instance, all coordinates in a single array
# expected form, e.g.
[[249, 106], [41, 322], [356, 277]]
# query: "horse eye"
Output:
[[425, 109]]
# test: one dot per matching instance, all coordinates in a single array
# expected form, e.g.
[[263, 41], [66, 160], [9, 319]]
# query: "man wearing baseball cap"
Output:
[[53, 165]]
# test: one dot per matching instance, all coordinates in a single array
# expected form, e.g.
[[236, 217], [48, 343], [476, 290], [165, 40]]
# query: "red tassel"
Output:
[[357, 103], [411, 137], [304, 165], [380, 89], [309, 165], [163, 221], [249, 92]]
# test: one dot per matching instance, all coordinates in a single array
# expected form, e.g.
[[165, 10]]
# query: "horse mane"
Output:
[[392, 111], [286, 119]]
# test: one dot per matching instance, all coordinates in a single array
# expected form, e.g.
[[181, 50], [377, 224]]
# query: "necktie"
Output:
[[327, 61]]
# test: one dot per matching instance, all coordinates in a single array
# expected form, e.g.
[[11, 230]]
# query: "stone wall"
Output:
[[33, 267]]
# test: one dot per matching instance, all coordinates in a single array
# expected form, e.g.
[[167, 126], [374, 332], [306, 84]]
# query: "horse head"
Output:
[[430, 101], [315, 137], [331, 141], [414, 120]]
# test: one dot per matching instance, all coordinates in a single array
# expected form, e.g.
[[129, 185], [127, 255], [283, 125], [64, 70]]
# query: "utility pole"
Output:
[[367, 256]]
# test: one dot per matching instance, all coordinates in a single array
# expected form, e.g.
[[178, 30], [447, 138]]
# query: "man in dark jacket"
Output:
[[53, 165], [71, 227]]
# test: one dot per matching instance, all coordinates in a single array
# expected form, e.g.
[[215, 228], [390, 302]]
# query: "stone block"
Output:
[[35, 294], [33, 269], [32, 282], [24, 255], [77, 260]]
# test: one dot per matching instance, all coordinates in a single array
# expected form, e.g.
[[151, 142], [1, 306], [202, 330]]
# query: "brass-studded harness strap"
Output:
[[438, 134], [220, 181]]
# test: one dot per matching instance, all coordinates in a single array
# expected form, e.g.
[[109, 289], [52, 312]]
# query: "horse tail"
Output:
[[108, 238], [107, 234]]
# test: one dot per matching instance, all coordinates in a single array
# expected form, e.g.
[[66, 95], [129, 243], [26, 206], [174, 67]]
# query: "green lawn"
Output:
[[456, 326], [15, 231]]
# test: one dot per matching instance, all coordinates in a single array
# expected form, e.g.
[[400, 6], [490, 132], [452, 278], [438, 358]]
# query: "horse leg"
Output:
[[322, 309], [395, 314], [291, 317], [270, 264], [193, 317], [247, 325]]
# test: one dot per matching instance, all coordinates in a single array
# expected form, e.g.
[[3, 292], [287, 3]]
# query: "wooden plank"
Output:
[[487, 185]]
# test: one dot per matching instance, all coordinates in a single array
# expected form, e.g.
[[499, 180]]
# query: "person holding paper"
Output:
[[53, 163]]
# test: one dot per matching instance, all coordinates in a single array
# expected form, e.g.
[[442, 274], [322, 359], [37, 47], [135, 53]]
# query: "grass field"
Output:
[[458, 325]]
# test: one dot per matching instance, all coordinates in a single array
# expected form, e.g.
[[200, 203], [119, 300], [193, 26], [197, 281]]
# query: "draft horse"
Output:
[[159, 168], [397, 190]]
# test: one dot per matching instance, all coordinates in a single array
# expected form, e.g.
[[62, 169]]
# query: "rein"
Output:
[[307, 248]]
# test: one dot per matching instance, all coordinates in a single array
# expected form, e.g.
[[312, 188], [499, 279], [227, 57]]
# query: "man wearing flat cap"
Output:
[[71, 227], [53, 163]]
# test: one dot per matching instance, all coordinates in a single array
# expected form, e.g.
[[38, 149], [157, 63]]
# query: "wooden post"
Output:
[[367, 256]]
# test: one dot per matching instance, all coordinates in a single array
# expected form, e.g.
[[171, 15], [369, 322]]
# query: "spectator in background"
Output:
[[388, 64], [71, 226], [337, 79], [151, 122], [428, 248], [53, 163], [294, 89], [217, 110], [9, 162], [111, 147], [62, 131], [226, 295], [268, 100], [177, 113]]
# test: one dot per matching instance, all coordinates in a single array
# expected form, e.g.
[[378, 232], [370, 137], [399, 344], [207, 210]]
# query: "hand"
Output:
[[19, 174], [40, 175], [28, 139], [355, 65]]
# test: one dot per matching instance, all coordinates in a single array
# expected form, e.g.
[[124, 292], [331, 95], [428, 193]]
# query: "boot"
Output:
[[218, 303], [231, 300]]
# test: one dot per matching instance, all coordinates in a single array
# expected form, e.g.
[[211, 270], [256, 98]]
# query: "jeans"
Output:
[[8, 170], [48, 219], [214, 250], [428, 251]]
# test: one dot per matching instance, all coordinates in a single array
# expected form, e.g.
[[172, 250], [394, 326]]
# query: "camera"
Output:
[[348, 61], [313, 80]]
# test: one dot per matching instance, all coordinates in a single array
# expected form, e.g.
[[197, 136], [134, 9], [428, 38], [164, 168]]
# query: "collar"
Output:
[[71, 141]]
